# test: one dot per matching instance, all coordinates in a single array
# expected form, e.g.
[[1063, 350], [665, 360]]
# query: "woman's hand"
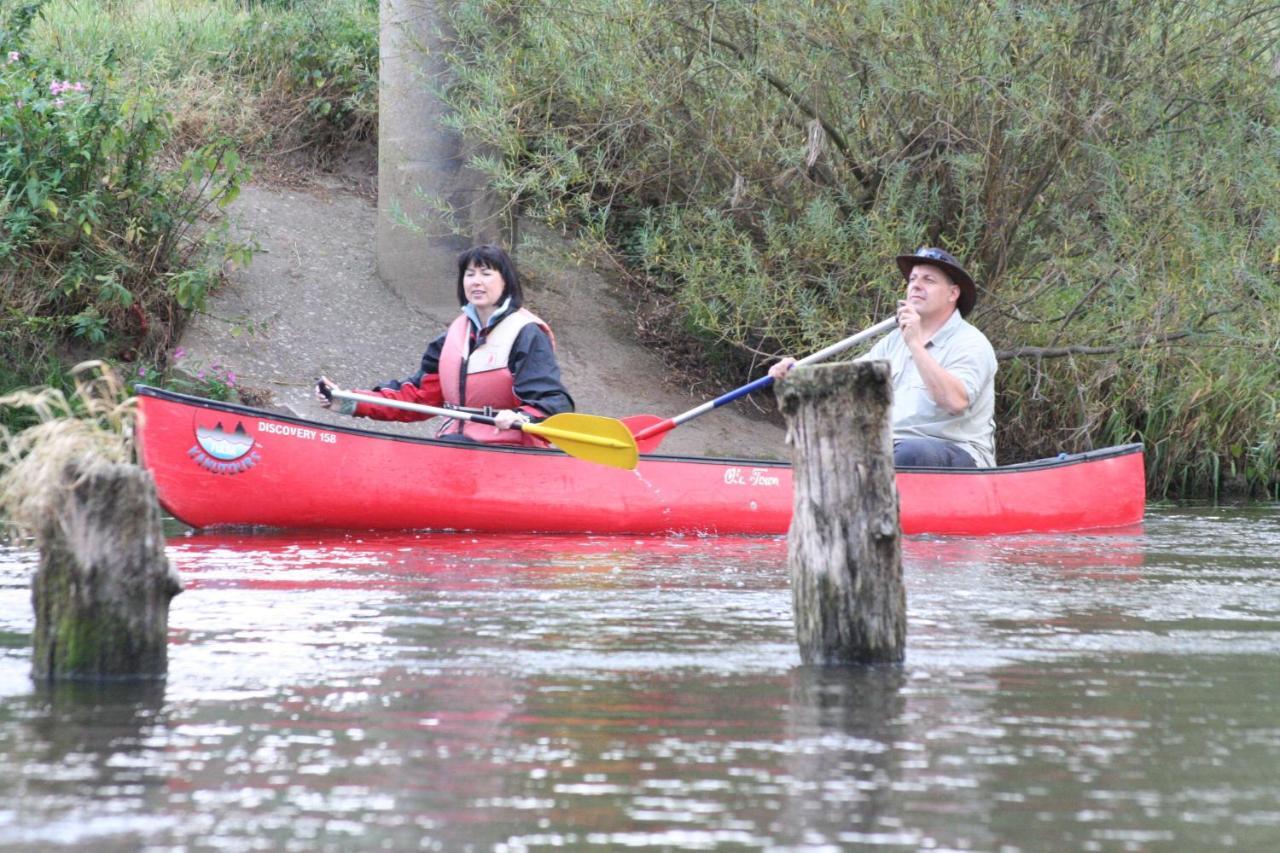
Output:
[[509, 419], [324, 391]]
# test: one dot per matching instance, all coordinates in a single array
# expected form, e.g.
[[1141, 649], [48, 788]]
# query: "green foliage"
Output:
[[151, 42], [110, 190], [101, 245], [281, 76], [316, 67], [1107, 171]]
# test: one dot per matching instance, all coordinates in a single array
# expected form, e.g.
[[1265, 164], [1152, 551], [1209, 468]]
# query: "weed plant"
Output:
[[278, 77], [315, 72], [125, 128], [101, 244], [212, 382], [1107, 171]]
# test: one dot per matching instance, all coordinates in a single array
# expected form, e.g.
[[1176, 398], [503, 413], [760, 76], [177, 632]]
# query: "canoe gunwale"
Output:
[[249, 411]]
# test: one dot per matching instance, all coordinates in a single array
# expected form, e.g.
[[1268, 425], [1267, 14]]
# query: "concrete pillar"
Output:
[[419, 160]]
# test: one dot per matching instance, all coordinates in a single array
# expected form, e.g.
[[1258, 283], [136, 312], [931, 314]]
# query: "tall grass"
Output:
[[175, 48], [155, 41], [102, 243]]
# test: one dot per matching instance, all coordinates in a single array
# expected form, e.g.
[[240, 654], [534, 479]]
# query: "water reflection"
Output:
[[1118, 553], [443, 692], [1138, 751], [81, 743], [846, 736]]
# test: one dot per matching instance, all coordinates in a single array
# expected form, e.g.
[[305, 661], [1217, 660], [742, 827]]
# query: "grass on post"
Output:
[[94, 424]]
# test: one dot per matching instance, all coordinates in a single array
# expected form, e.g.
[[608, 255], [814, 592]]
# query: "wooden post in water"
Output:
[[102, 589], [844, 548]]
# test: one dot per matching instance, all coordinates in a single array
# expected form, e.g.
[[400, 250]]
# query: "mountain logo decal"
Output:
[[224, 451]]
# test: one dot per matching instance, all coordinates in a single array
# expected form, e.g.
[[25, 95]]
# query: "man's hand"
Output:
[[909, 325], [782, 368]]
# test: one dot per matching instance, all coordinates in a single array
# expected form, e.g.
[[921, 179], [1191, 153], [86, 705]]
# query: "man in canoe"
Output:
[[943, 368], [496, 355]]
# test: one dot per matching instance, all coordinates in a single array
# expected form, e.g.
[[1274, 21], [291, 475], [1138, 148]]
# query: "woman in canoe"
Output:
[[496, 355]]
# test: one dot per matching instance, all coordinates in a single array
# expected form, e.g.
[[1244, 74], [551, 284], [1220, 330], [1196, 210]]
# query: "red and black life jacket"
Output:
[[474, 372]]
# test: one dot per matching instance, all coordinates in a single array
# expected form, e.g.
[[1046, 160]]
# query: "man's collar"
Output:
[[948, 329]]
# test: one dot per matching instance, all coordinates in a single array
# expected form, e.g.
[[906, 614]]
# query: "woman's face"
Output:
[[483, 287]]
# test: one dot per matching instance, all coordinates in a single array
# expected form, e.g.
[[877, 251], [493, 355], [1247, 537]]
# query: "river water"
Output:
[[1115, 691]]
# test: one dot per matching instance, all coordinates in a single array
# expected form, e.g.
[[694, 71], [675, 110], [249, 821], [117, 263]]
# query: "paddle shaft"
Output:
[[765, 381], [551, 433]]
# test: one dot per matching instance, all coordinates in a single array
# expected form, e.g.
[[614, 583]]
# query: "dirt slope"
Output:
[[311, 303]]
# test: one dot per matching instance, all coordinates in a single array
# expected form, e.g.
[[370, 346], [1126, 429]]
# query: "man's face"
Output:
[[931, 290]]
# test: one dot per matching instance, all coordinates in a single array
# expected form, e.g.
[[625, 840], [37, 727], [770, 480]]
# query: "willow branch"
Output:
[[1153, 340], [793, 97], [1061, 352]]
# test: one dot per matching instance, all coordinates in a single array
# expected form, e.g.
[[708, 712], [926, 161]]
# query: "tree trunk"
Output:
[[101, 592], [844, 546]]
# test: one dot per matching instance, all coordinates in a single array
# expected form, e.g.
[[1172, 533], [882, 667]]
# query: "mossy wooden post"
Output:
[[102, 589], [844, 548]]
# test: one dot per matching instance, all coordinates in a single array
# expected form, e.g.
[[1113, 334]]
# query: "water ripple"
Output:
[[327, 692]]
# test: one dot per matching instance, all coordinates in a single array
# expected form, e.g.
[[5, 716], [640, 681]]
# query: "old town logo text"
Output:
[[751, 477]]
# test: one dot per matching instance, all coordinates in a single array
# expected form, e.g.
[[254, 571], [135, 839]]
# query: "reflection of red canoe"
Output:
[[396, 560], [219, 464]]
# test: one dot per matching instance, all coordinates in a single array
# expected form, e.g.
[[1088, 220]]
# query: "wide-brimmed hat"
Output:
[[948, 264]]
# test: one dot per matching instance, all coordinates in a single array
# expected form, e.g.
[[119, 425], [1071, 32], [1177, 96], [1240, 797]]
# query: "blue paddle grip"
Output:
[[749, 388]]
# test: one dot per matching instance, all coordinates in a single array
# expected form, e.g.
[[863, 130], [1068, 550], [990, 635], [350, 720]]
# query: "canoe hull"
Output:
[[218, 464]]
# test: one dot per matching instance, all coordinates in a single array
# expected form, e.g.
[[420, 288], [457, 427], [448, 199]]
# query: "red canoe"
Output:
[[218, 464]]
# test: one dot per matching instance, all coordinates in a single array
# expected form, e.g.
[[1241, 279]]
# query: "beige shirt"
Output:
[[965, 353]]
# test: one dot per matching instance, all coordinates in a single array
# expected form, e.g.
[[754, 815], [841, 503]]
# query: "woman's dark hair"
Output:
[[493, 258]]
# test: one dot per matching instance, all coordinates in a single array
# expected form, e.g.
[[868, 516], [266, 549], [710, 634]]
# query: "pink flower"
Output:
[[231, 379], [179, 354], [142, 371], [57, 87], [14, 56]]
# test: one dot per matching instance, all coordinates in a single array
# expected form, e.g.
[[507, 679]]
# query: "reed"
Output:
[[90, 427]]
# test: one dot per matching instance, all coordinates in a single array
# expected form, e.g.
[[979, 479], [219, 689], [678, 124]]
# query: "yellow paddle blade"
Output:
[[606, 441]]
